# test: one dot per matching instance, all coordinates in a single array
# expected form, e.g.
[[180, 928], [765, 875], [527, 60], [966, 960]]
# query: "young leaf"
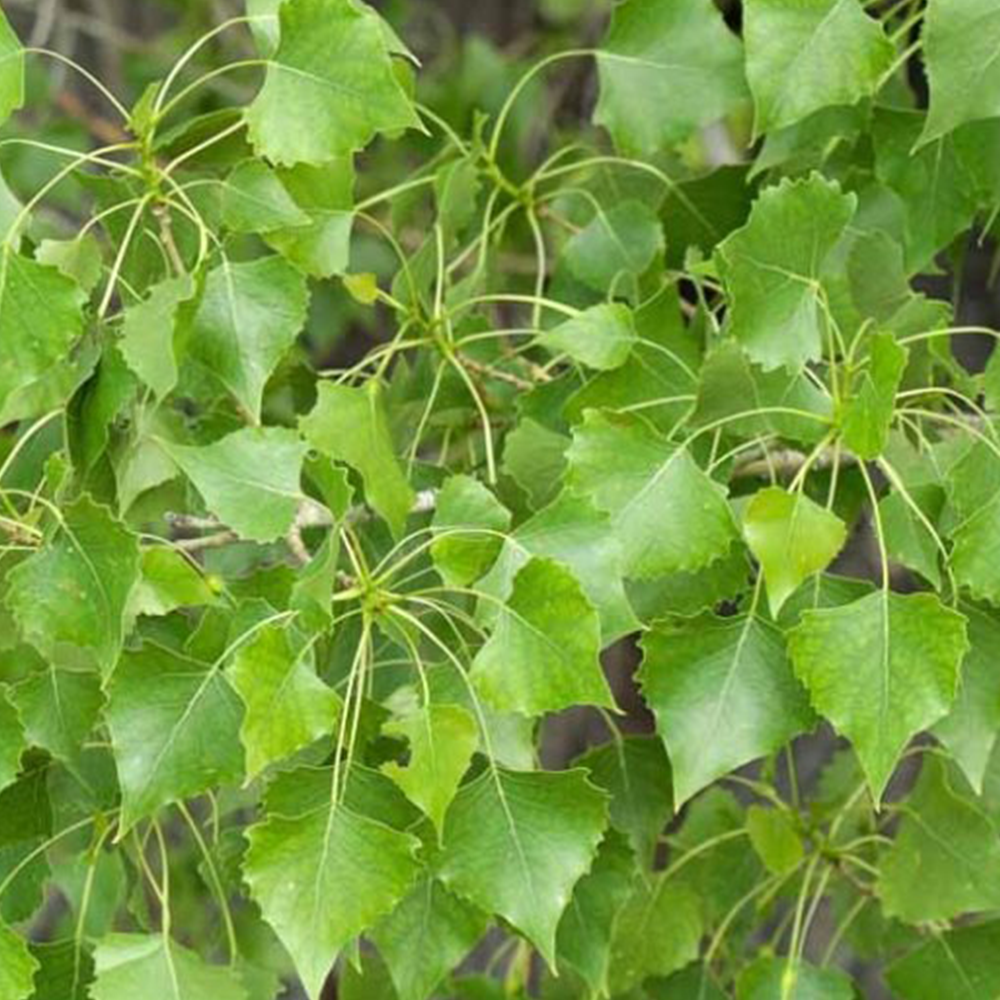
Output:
[[287, 705], [333, 67], [667, 513], [255, 201], [802, 57], [426, 936], [324, 872], [350, 426], [70, 598], [59, 708], [960, 39], [945, 860], [174, 725], [772, 266], [601, 337], [79, 259], [517, 842], [775, 839], [169, 581], [130, 965], [974, 556], [792, 537], [249, 479], [543, 654], [772, 978], [881, 669], [665, 70], [17, 967], [723, 694], [11, 70], [248, 317], [468, 523], [869, 411], [12, 742], [442, 740]]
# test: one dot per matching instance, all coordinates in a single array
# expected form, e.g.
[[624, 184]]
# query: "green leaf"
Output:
[[255, 201], [70, 598], [583, 939], [349, 425], [468, 524], [148, 332], [79, 259], [426, 936], [516, 843], [442, 740], [249, 479], [945, 859], [59, 709], [17, 967], [40, 312], [543, 653], [666, 70], [792, 538], [132, 965], [287, 705], [248, 317], [616, 248], [802, 57], [723, 694], [534, 457], [772, 266], [868, 414], [881, 669], [971, 728], [667, 513], [960, 964], [773, 978], [66, 972], [960, 39], [11, 71], [174, 724], [975, 552], [601, 337], [323, 872], [635, 772], [333, 67], [775, 839], [657, 932], [169, 581], [907, 539], [12, 742]]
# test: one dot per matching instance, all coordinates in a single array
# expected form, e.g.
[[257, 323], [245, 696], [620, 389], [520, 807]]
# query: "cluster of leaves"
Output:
[[278, 639]]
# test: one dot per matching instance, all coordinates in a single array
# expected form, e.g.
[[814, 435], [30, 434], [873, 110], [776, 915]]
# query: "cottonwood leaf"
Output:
[[572, 531], [148, 330], [255, 201], [133, 965], [971, 727], [248, 479], [881, 669], [772, 268], [12, 741], [442, 740], [516, 842], [534, 456], [333, 66], [59, 708], [66, 971], [907, 539], [41, 314], [656, 932], [667, 513], [543, 653], [960, 964], [426, 936], [11, 70], [868, 414], [175, 725], [469, 522], [322, 872], [975, 554], [350, 425], [635, 772], [79, 258], [723, 694], [601, 337], [665, 70], [802, 57], [960, 43], [248, 317], [772, 978], [169, 581], [583, 940], [775, 838], [945, 858], [792, 538], [70, 598], [287, 705], [17, 967]]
